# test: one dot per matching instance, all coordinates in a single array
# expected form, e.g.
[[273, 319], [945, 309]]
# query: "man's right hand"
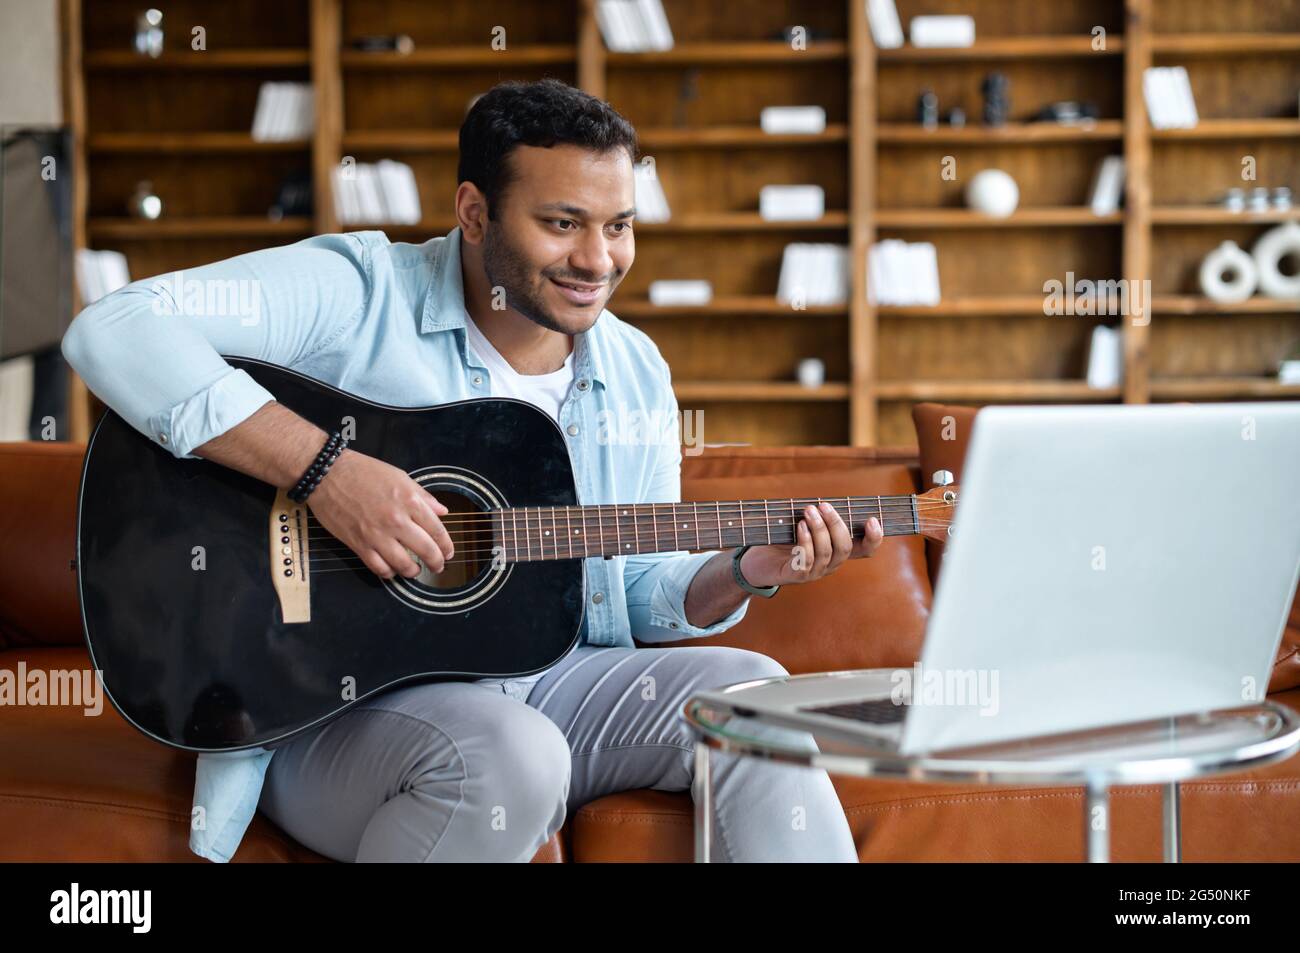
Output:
[[379, 513]]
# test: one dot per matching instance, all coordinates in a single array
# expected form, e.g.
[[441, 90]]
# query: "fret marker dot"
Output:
[[577, 532]]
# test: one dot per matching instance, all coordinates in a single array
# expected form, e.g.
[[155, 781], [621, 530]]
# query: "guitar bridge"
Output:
[[289, 563]]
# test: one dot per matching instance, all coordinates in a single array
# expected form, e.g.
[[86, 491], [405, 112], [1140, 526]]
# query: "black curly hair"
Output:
[[544, 113]]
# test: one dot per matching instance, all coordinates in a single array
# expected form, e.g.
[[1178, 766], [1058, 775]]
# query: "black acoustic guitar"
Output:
[[223, 616]]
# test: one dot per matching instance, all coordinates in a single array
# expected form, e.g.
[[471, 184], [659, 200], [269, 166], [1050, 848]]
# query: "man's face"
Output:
[[562, 239]]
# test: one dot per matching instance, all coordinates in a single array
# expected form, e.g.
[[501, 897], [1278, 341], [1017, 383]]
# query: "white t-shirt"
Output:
[[546, 391]]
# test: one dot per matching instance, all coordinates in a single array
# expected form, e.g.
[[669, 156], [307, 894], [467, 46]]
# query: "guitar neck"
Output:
[[567, 532]]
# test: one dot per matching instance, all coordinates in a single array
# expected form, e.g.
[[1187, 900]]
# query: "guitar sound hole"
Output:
[[470, 529]]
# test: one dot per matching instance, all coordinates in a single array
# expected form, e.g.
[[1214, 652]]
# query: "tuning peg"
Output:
[[942, 477]]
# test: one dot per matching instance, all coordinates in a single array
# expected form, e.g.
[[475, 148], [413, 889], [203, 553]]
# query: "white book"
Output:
[[399, 191], [262, 113], [667, 293], [886, 29], [368, 195], [276, 121], [796, 119], [787, 286], [90, 284], [660, 36], [1187, 102], [926, 259], [1152, 83], [651, 203], [346, 206], [607, 20], [1107, 186], [942, 31], [789, 203], [113, 270], [306, 111], [1105, 357]]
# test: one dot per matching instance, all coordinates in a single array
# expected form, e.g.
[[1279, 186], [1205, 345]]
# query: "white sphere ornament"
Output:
[[993, 192], [1228, 274], [1273, 246]]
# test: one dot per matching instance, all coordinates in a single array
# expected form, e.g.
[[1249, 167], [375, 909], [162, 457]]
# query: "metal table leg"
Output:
[[703, 789], [1096, 822], [1173, 827]]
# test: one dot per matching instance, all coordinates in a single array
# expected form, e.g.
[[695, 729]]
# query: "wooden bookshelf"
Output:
[[182, 122]]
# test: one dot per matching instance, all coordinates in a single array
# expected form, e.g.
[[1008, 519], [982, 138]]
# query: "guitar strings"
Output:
[[325, 555], [539, 513]]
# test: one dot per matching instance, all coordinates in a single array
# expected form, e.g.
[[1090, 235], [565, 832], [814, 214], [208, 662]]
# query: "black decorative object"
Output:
[[294, 198], [997, 99], [927, 109]]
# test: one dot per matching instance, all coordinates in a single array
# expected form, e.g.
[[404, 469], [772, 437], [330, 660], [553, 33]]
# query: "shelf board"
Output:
[[1268, 128], [759, 390], [668, 138], [724, 305], [1044, 390], [1219, 44], [970, 305], [1212, 215], [1004, 48], [906, 133], [741, 222], [773, 51], [199, 60], [189, 142], [398, 140], [895, 218], [132, 229], [1198, 304], [458, 57], [1215, 388]]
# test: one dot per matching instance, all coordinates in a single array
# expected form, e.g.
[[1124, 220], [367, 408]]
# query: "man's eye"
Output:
[[623, 227], [562, 221]]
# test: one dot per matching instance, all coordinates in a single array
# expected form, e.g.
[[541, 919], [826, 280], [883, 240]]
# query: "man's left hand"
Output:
[[823, 543]]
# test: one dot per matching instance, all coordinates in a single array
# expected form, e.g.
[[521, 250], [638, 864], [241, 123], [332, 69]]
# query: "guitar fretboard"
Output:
[[570, 532]]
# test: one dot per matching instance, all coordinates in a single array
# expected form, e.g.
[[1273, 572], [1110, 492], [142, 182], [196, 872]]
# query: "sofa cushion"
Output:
[[869, 613], [943, 432], [79, 787], [38, 529], [1244, 817]]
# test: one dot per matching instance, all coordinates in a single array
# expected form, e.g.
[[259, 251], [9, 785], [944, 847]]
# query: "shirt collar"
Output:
[[444, 310]]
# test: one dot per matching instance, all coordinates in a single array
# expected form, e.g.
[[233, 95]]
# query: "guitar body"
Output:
[[176, 574]]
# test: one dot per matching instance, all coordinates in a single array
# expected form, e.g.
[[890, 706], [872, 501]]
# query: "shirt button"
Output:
[[477, 380], [672, 625], [598, 598], [582, 385], [162, 438], [573, 430]]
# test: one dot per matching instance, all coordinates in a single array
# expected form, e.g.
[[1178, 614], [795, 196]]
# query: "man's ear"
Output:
[[471, 212]]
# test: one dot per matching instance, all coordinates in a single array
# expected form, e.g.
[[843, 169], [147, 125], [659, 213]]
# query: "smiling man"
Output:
[[510, 303]]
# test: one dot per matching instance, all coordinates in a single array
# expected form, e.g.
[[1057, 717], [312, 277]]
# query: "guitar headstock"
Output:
[[936, 508]]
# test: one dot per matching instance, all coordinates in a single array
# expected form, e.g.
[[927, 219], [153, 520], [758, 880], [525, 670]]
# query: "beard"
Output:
[[510, 270]]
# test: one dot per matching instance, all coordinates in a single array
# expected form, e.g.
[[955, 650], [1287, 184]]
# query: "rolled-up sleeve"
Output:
[[152, 351], [657, 584]]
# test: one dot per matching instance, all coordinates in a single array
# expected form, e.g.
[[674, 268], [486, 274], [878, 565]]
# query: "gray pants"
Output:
[[466, 771]]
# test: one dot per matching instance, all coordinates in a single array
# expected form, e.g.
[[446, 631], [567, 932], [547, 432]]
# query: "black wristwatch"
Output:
[[767, 592]]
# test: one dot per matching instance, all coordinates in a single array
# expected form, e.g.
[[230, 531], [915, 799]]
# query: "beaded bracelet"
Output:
[[316, 472]]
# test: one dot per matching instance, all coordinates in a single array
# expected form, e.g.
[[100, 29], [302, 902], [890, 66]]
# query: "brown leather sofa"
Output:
[[92, 788]]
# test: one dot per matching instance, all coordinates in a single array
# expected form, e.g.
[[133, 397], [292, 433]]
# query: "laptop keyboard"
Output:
[[880, 711]]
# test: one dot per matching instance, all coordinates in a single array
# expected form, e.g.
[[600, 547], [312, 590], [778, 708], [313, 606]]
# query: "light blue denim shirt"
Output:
[[386, 322]]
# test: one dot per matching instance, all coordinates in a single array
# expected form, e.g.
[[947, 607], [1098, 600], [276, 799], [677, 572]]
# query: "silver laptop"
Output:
[[1107, 564]]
